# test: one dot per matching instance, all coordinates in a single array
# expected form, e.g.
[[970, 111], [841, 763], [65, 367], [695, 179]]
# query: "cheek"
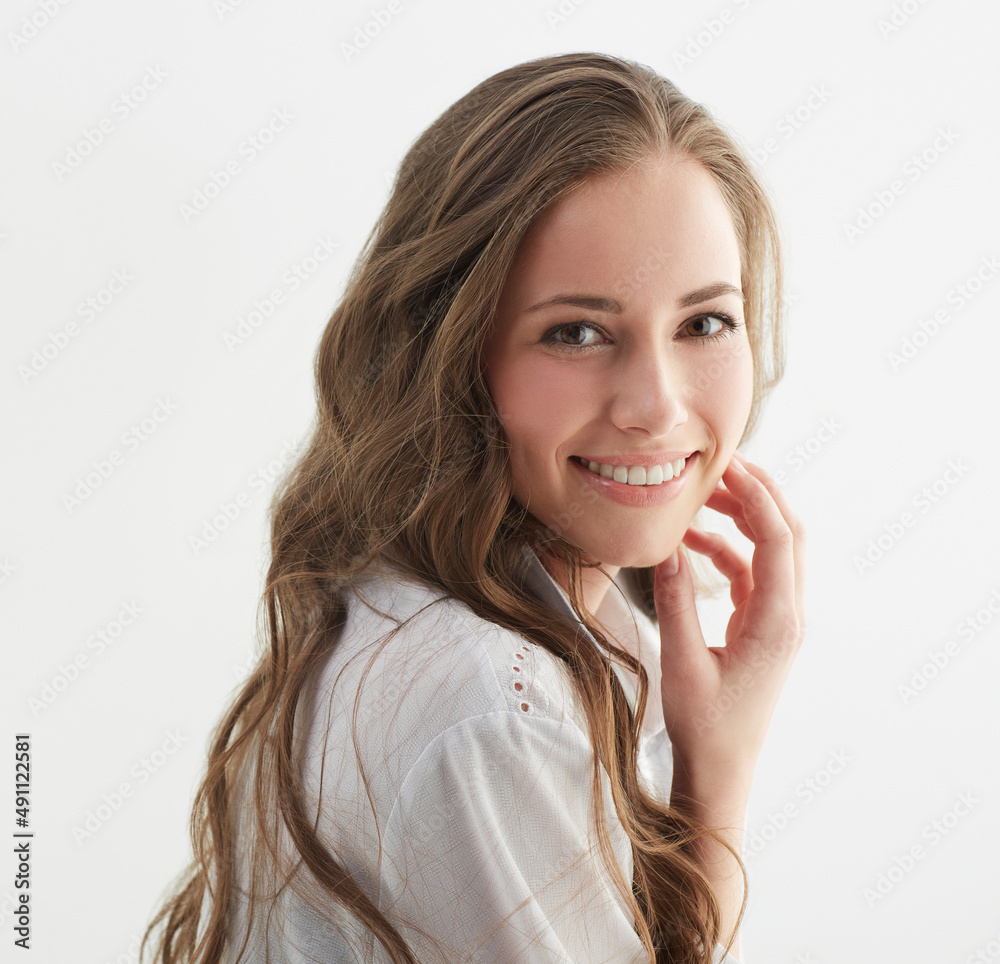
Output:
[[725, 390], [538, 406]]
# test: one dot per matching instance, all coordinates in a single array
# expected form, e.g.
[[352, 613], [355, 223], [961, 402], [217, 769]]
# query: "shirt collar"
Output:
[[616, 614]]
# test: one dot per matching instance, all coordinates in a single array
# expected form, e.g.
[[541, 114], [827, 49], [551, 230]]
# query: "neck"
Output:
[[595, 582]]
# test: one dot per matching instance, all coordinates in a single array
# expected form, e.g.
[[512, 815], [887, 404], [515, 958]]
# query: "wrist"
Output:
[[718, 791]]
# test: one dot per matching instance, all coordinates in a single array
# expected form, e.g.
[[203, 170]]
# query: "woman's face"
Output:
[[632, 363]]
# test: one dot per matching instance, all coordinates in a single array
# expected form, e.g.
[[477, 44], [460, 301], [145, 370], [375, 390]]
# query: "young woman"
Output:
[[487, 726]]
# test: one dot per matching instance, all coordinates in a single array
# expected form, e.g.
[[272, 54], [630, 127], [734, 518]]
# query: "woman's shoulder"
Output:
[[443, 657], [412, 663]]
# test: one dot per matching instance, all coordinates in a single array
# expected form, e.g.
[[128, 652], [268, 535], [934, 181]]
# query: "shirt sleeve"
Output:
[[490, 852]]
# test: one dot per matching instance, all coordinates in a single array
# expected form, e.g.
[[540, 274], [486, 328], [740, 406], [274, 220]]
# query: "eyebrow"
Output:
[[611, 306]]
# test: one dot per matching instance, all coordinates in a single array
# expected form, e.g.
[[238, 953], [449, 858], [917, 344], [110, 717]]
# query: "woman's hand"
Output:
[[718, 701]]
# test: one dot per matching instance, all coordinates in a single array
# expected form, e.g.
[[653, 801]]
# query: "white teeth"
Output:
[[638, 474]]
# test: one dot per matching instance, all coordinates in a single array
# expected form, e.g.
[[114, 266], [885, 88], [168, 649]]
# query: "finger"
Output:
[[683, 650], [794, 523], [773, 564], [723, 502], [732, 565]]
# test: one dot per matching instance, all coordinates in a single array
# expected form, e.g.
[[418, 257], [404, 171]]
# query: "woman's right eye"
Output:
[[579, 329]]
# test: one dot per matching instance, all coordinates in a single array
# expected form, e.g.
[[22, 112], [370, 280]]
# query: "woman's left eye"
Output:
[[729, 325]]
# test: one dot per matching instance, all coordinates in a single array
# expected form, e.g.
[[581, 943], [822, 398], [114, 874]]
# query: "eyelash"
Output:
[[730, 327]]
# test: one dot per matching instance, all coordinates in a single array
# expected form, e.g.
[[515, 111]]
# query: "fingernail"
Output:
[[738, 464], [669, 566]]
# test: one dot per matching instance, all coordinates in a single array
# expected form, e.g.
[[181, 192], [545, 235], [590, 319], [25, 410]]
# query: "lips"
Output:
[[636, 495]]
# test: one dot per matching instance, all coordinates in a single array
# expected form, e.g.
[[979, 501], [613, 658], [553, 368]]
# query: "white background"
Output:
[[136, 715]]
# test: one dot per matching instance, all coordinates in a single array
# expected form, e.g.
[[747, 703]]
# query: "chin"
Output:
[[633, 556], [644, 561]]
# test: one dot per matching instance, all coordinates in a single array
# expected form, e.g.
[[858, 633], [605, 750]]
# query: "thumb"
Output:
[[681, 639]]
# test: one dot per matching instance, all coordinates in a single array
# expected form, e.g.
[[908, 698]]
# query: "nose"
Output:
[[649, 391]]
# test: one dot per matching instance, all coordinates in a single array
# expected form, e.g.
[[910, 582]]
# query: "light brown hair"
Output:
[[407, 464]]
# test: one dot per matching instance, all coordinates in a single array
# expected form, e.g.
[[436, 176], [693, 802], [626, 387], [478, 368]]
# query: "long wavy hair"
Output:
[[407, 465]]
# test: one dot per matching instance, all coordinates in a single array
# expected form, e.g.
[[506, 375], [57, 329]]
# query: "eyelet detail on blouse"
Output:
[[517, 685]]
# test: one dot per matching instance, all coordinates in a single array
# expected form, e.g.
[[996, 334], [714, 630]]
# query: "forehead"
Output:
[[661, 227]]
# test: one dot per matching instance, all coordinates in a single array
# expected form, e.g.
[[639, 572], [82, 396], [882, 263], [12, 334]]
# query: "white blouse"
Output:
[[478, 829]]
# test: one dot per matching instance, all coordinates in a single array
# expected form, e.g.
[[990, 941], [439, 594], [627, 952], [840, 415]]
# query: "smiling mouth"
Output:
[[636, 475]]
